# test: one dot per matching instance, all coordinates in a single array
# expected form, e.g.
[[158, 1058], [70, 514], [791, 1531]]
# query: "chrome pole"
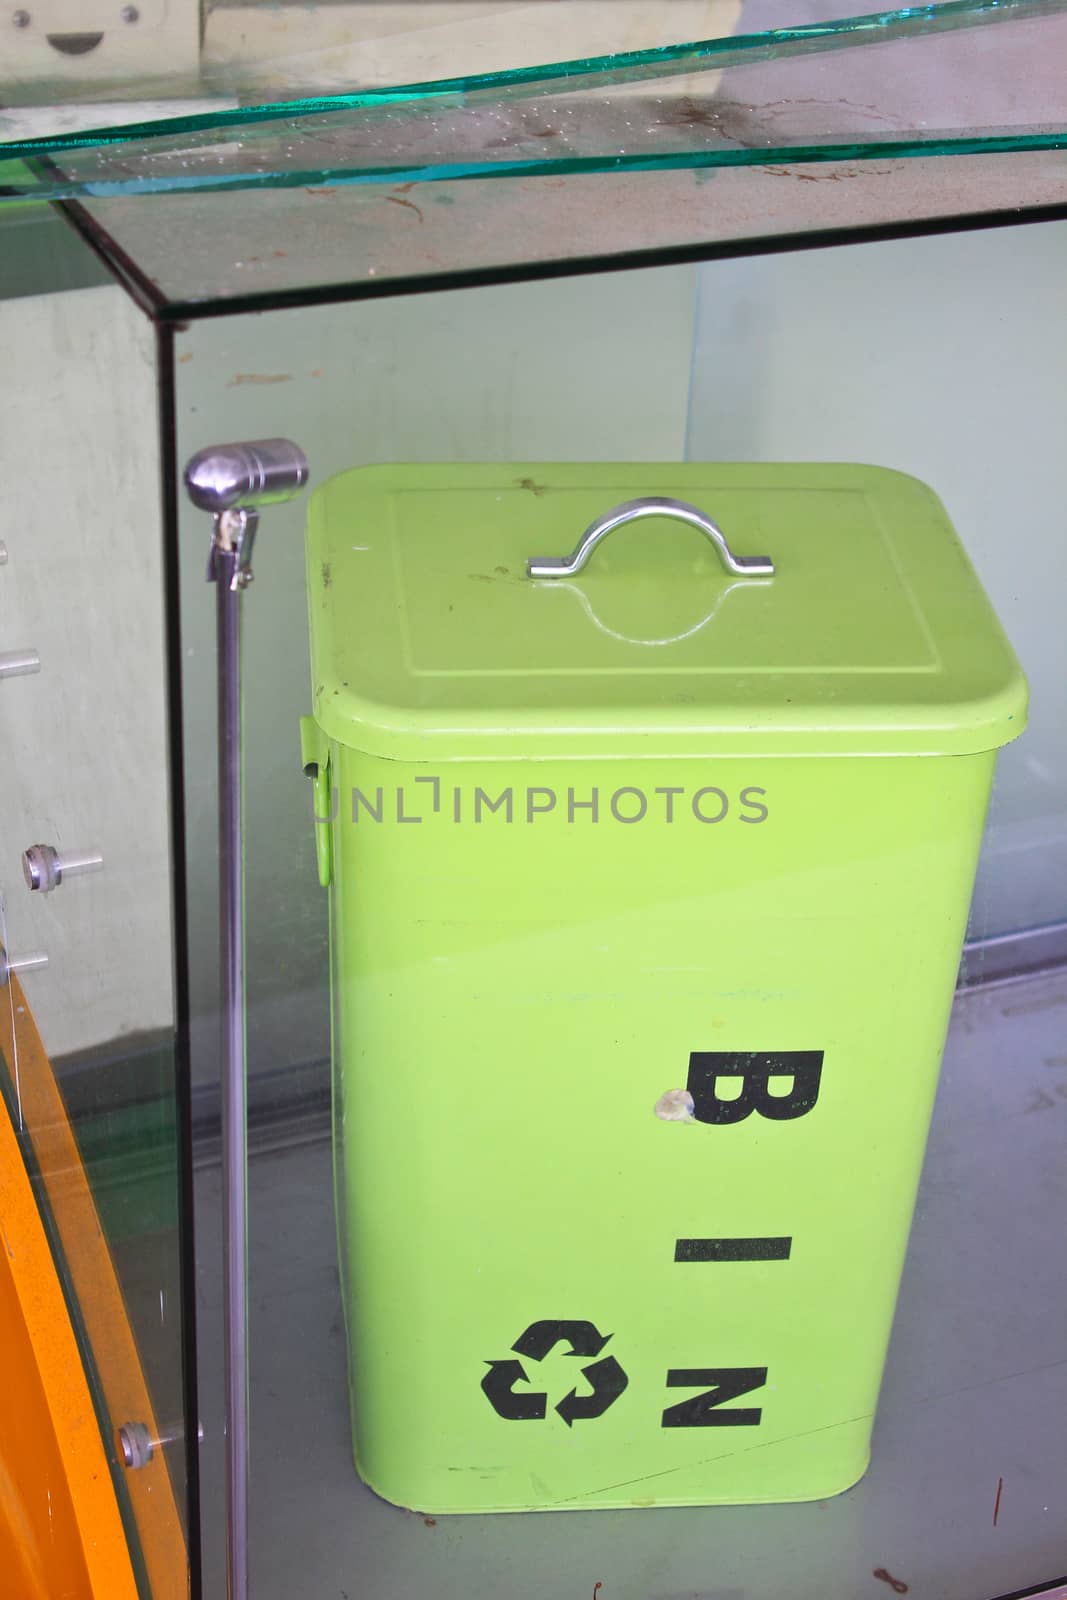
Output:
[[234, 1079], [232, 481]]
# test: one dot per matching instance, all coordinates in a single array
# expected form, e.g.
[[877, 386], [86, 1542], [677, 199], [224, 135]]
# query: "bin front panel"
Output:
[[555, 1297]]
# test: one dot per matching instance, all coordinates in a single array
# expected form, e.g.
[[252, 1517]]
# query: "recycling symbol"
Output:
[[605, 1377]]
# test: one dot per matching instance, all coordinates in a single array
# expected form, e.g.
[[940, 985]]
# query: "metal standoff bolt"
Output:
[[138, 1446], [3, 554], [10, 964], [44, 868], [19, 663]]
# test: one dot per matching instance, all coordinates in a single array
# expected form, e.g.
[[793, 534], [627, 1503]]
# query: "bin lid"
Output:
[[430, 640]]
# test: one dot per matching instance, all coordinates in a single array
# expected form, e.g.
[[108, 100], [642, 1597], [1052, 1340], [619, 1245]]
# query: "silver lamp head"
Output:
[[260, 472]]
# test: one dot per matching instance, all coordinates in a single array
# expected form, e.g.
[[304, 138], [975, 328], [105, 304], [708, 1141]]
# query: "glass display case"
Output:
[[654, 238]]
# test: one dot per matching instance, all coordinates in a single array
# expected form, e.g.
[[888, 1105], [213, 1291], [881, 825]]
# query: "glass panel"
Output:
[[257, 254], [88, 1030], [766, 135], [881, 354], [235, 376]]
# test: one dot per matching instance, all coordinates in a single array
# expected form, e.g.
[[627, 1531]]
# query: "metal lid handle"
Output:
[[652, 506]]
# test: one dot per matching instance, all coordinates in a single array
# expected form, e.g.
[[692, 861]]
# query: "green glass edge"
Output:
[[50, 186], [594, 71]]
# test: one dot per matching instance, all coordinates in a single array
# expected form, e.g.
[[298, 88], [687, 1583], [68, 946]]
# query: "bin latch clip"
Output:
[[315, 756]]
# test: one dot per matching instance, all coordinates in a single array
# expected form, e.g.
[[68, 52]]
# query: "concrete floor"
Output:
[[975, 1392]]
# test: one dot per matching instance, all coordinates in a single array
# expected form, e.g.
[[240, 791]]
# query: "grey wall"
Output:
[[944, 357]]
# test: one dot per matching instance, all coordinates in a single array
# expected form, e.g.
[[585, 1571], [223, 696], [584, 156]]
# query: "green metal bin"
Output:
[[648, 881]]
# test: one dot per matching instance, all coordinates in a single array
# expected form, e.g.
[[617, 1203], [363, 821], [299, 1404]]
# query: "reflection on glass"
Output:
[[88, 1062]]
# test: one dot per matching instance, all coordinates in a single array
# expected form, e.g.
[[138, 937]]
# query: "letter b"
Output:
[[706, 1067]]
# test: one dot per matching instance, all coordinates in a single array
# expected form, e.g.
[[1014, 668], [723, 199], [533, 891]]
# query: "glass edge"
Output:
[[166, 417], [45, 184]]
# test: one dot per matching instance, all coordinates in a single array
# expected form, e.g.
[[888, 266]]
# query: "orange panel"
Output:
[[61, 1533], [99, 1297]]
